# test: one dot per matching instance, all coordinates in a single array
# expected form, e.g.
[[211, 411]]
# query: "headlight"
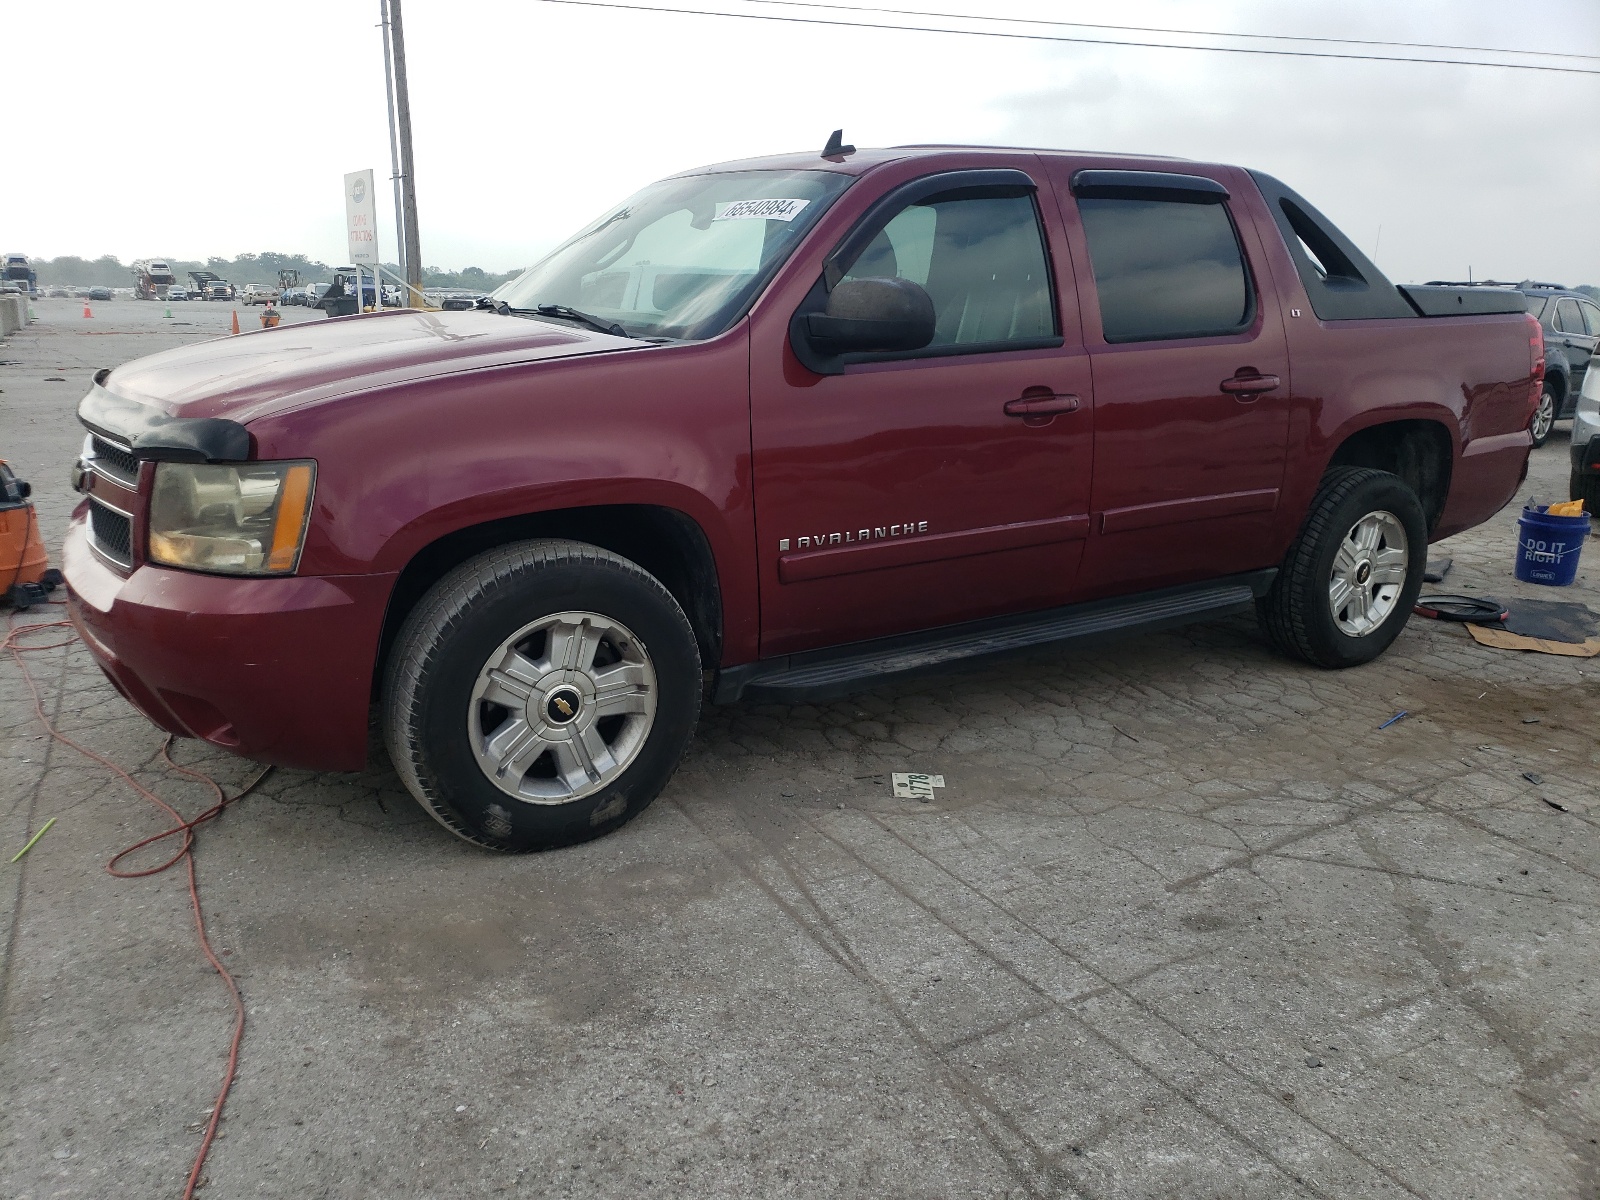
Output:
[[236, 518]]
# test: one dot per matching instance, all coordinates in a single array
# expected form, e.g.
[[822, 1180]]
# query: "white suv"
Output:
[[1586, 444], [259, 293]]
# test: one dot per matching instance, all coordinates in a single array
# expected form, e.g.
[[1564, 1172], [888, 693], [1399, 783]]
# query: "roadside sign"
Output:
[[361, 216]]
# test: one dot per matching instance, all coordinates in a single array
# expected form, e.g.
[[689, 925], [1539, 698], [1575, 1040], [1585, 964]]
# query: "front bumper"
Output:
[[278, 670]]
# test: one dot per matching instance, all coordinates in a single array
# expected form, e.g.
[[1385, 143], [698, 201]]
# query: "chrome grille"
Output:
[[114, 460], [112, 533]]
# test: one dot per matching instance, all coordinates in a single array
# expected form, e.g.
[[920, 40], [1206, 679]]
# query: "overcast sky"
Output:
[[530, 118]]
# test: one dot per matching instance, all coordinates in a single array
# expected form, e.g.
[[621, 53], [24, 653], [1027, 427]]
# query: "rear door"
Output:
[[1191, 376], [918, 489]]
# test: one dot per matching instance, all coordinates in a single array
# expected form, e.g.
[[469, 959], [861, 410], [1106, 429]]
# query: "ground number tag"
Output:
[[912, 786], [761, 210]]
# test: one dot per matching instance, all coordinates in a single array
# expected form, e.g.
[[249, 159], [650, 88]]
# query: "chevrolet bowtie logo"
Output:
[[562, 707]]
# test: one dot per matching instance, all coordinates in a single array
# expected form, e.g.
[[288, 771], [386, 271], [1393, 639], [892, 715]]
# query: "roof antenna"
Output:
[[836, 149]]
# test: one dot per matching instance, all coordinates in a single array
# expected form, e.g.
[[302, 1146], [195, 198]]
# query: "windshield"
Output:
[[684, 257]]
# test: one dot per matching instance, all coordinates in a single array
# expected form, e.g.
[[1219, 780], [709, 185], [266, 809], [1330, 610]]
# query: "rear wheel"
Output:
[[1544, 417], [1349, 582], [541, 695]]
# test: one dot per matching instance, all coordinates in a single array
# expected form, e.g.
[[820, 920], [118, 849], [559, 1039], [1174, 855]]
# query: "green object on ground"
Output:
[[44, 829]]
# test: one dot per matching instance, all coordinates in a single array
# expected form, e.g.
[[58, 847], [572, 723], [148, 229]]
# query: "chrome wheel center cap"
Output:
[[562, 705], [1364, 572]]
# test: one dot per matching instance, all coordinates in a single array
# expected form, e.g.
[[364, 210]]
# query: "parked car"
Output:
[[293, 296], [259, 293], [177, 292], [314, 294], [863, 415], [1571, 322], [346, 278], [1585, 484], [99, 293], [460, 301]]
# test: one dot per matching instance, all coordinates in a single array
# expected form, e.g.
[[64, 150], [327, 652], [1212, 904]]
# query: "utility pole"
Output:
[[394, 145], [408, 184]]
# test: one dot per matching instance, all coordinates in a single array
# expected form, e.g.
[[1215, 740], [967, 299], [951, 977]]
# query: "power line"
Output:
[[1270, 37], [1046, 37]]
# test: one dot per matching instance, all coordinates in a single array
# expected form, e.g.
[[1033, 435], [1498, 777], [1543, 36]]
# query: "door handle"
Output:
[[1245, 386], [1041, 402]]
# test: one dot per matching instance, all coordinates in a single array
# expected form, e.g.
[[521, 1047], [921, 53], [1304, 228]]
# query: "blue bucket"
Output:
[[1548, 547]]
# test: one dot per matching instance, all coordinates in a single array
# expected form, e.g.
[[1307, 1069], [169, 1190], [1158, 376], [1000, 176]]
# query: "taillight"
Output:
[[1536, 368]]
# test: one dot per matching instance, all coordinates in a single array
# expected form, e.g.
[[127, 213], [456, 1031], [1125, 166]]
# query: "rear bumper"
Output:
[[278, 670]]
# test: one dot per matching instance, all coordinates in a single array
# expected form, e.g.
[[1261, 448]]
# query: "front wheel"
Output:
[[1349, 582], [1544, 417], [541, 695]]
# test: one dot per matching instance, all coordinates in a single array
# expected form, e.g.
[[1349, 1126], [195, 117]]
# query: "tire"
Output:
[[1587, 489], [600, 673], [1303, 615], [1544, 417]]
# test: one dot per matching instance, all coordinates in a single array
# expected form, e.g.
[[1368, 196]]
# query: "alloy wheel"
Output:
[[1369, 573], [1544, 417], [562, 707]]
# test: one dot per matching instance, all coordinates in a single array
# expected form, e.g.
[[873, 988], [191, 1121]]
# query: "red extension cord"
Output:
[[185, 853]]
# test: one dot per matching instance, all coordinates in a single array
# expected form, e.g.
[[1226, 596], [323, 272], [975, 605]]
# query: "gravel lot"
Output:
[[1184, 923]]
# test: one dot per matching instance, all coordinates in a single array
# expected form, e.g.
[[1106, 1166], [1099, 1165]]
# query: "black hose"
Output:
[[1477, 610]]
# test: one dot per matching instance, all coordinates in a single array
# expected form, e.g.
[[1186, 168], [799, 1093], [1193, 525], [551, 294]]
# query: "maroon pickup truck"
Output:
[[779, 429]]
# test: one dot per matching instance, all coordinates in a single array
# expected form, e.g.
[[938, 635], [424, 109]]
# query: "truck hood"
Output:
[[270, 371]]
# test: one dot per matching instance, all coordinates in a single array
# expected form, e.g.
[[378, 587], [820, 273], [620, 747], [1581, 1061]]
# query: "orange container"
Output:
[[23, 558]]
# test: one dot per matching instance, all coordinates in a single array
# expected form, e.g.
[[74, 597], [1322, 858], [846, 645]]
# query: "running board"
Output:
[[826, 674]]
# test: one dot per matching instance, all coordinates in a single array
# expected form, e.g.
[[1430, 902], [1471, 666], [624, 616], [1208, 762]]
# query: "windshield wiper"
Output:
[[568, 313], [563, 312]]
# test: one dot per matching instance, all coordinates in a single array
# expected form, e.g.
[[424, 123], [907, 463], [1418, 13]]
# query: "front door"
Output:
[[1191, 372], [925, 488]]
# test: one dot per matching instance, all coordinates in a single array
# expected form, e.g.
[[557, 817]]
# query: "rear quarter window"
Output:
[[1165, 269]]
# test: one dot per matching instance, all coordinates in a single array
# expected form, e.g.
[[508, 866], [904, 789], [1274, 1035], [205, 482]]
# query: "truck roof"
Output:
[[859, 162]]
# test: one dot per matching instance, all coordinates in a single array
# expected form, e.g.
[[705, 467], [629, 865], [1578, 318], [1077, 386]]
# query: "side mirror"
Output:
[[873, 315]]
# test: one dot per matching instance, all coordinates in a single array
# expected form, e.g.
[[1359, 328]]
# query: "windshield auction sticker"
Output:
[[761, 210]]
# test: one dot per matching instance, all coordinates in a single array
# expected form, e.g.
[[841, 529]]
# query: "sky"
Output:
[[190, 128]]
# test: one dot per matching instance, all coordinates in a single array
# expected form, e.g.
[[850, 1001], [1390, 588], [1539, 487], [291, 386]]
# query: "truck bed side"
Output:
[[1442, 400]]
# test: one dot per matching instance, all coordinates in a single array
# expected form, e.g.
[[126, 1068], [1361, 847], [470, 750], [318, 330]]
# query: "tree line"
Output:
[[109, 271]]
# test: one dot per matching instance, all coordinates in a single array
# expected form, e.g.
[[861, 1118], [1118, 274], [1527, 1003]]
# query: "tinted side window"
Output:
[[1568, 319], [1536, 305], [1165, 269], [982, 261], [1591, 318]]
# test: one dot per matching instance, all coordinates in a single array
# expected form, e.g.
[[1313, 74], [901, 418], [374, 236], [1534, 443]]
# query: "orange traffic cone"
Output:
[[86, 311], [236, 320]]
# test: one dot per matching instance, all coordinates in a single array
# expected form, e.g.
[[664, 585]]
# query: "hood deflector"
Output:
[[153, 436]]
